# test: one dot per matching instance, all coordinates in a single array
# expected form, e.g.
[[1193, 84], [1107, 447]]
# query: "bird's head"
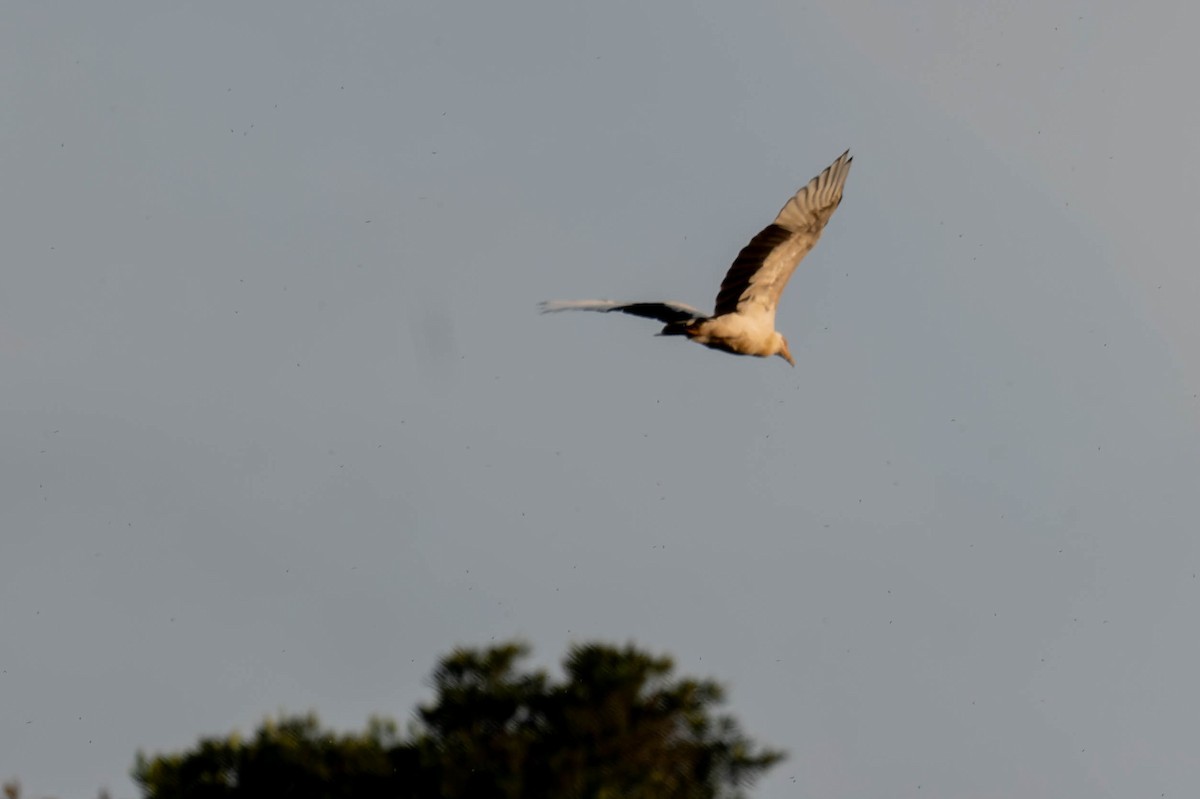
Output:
[[781, 348]]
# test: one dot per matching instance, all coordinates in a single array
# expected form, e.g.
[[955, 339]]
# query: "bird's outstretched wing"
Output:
[[667, 312], [753, 284]]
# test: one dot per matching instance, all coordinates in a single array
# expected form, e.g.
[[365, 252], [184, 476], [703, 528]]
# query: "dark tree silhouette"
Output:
[[618, 726]]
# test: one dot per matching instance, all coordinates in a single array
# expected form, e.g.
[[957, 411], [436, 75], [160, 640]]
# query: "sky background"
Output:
[[280, 425]]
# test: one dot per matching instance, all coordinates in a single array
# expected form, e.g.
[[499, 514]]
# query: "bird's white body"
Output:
[[743, 321], [738, 333]]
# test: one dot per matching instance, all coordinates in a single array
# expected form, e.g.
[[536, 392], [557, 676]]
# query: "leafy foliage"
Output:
[[617, 727]]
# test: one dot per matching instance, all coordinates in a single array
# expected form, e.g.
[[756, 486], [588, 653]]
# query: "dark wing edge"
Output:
[[807, 211], [666, 312], [746, 265]]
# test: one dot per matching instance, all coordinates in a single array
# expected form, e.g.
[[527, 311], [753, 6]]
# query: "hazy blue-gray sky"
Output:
[[280, 424]]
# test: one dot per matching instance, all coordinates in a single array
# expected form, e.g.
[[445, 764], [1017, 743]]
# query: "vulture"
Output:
[[743, 321]]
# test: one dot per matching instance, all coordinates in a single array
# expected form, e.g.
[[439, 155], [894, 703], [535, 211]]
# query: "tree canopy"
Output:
[[617, 726]]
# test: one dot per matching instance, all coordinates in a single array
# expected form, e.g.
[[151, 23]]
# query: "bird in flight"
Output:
[[743, 321]]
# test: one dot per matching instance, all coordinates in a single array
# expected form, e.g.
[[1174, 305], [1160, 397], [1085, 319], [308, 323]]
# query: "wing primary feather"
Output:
[[812, 206], [667, 312], [762, 269], [554, 306]]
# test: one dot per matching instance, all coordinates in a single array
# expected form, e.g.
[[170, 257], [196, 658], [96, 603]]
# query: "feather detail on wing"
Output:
[[761, 270], [667, 312]]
